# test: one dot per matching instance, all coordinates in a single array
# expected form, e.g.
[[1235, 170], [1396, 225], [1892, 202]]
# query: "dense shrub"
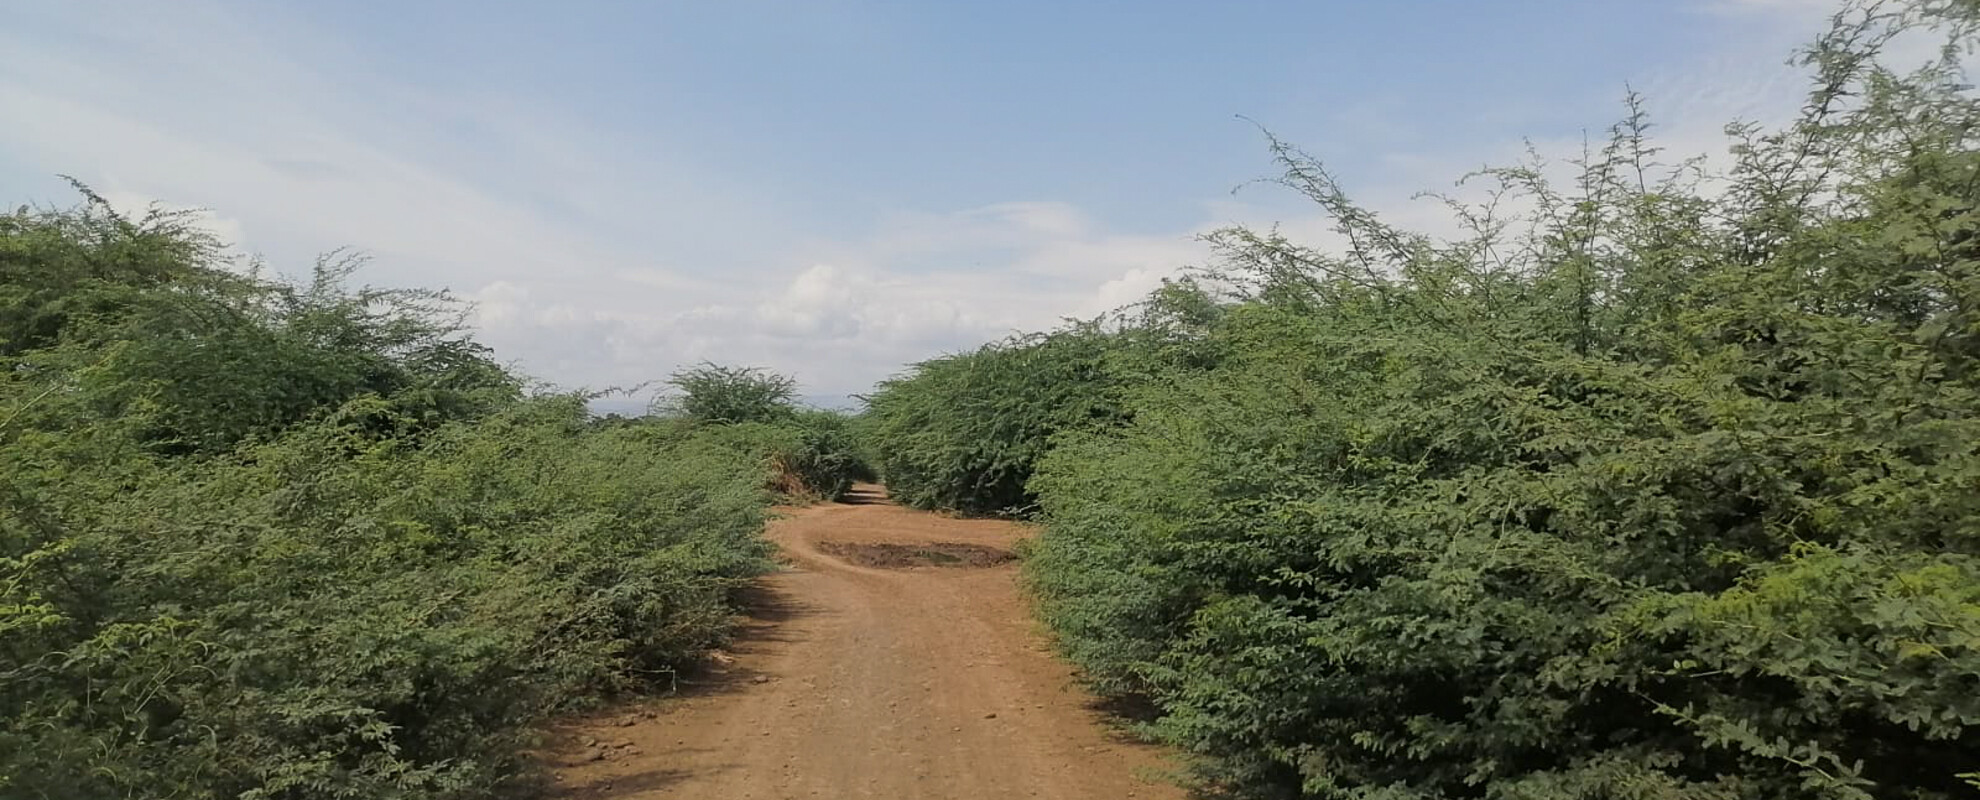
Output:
[[1667, 486], [811, 454], [714, 393], [270, 542], [806, 458], [828, 456], [963, 431]]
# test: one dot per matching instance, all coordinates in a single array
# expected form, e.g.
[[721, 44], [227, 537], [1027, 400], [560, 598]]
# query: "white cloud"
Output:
[[197, 104], [908, 291], [303, 152]]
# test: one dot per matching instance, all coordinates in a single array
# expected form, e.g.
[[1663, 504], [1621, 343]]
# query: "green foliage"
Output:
[[962, 432], [811, 454], [265, 541], [828, 457], [721, 394], [809, 457], [70, 268], [1665, 486]]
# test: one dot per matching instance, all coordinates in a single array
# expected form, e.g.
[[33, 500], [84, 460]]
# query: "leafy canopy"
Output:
[[723, 394], [1658, 482], [264, 540]]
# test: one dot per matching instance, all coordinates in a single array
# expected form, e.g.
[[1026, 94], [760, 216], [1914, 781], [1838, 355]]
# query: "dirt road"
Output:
[[894, 658]]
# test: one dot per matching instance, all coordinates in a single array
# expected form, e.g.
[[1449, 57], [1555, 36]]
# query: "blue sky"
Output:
[[827, 188]]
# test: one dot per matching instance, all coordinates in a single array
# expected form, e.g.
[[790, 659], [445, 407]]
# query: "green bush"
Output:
[[714, 393], [829, 457], [807, 458], [1665, 488], [810, 454], [962, 432], [259, 541]]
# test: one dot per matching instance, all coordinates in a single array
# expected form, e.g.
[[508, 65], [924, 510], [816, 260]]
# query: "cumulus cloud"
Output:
[[915, 287]]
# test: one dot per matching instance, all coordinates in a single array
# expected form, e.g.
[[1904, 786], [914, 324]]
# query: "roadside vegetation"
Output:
[[1660, 481], [273, 540], [812, 454]]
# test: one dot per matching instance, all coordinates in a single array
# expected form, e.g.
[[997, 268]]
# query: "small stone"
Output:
[[760, 679], [627, 722], [593, 754]]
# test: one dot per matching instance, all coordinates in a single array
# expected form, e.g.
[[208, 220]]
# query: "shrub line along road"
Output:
[[909, 670]]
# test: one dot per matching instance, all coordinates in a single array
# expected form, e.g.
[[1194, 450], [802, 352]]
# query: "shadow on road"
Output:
[[866, 494]]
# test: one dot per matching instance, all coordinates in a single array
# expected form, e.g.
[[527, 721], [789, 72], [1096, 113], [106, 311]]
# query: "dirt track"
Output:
[[921, 677]]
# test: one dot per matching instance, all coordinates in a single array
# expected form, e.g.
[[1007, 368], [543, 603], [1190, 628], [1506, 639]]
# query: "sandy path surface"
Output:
[[909, 670]]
